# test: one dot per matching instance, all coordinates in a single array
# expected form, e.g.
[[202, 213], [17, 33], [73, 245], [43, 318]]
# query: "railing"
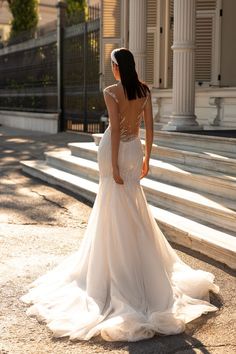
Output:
[[56, 72]]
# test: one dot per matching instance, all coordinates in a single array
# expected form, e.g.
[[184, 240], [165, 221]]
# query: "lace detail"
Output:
[[107, 91], [127, 131], [130, 112], [144, 104]]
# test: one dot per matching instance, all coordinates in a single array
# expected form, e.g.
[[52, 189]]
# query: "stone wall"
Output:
[[41, 122]]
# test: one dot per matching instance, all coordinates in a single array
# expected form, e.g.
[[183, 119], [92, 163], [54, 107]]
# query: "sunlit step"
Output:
[[54, 176], [211, 209], [220, 246], [194, 178], [194, 142], [195, 156], [178, 173], [206, 160]]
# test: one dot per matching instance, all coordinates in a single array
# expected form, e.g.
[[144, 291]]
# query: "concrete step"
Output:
[[78, 166], [209, 208], [158, 125], [190, 177], [84, 150], [207, 160], [54, 176], [220, 246], [194, 178], [194, 142]]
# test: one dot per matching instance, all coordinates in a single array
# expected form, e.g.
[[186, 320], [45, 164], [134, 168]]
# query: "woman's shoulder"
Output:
[[112, 91], [112, 88]]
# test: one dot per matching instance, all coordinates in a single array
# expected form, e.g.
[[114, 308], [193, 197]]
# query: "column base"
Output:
[[182, 123], [179, 128]]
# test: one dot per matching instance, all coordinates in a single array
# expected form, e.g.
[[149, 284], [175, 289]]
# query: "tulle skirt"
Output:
[[125, 282]]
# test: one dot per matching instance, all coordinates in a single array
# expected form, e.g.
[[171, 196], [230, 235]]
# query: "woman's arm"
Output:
[[113, 113], [148, 120]]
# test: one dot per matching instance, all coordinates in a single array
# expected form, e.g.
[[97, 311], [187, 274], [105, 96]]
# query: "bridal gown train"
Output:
[[125, 281]]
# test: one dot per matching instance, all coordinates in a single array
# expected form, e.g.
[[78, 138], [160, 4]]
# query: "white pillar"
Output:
[[137, 34], [183, 117]]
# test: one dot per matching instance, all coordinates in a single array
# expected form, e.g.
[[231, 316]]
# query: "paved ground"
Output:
[[39, 225]]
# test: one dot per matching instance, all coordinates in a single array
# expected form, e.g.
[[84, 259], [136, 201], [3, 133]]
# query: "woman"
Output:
[[125, 282]]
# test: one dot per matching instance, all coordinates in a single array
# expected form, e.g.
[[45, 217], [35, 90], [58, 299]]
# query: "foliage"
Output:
[[77, 10], [25, 16]]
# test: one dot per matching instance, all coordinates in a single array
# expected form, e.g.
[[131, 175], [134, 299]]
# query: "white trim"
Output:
[[216, 55], [166, 42], [157, 52], [156, 59], [161, 43]]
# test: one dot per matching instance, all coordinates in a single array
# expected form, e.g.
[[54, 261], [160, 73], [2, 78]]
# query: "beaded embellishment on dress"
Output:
[[130, 112]]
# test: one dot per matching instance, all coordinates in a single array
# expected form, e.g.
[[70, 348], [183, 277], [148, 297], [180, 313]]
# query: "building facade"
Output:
[[5, 19], [185, 50]]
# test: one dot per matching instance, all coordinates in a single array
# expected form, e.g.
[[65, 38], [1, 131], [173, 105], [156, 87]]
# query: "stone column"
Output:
[[137, 34], [183, 117]]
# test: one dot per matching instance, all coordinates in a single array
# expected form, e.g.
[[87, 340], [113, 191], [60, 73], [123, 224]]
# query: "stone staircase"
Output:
[[191, 187]]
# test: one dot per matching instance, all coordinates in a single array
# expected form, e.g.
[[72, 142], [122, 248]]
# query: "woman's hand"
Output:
[[116, 175], [145, 168]]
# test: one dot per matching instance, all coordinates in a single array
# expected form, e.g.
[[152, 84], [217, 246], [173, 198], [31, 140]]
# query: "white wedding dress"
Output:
[[125, 282]]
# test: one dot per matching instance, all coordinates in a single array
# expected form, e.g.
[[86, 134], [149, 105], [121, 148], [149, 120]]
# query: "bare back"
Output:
[[130, 111]]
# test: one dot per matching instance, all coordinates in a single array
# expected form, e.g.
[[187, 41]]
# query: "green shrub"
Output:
[[25, 16]]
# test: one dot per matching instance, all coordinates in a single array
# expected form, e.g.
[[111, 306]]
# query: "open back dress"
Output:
[[125, 282]]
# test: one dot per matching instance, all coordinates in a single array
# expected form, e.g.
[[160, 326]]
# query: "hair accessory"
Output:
[[113, 58]]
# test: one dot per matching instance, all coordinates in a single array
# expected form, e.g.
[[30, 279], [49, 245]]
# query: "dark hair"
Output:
[[133, 87]]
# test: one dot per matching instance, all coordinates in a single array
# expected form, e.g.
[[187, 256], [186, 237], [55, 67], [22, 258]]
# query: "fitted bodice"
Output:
[[130, 111]]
